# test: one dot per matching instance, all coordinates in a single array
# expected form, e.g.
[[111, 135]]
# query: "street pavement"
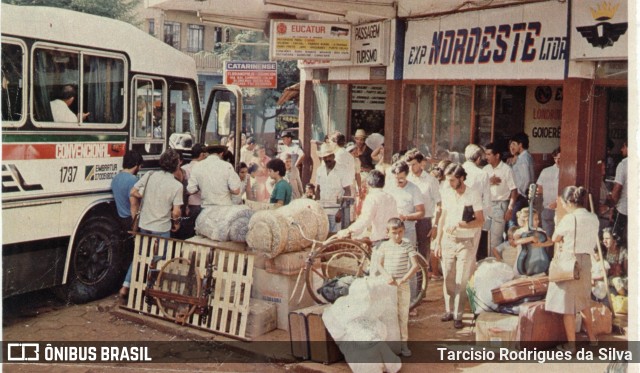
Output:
[[48, 320]]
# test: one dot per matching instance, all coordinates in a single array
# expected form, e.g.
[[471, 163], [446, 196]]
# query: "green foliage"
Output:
[[123, 10]]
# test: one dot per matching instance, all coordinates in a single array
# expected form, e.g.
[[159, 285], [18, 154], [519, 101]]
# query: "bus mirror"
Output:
[[224, 118]]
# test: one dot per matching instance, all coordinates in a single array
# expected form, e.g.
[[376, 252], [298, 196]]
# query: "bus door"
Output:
[[223, 118]]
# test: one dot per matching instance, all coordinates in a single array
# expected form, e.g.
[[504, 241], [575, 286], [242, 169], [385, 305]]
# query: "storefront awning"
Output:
[[289, 94]]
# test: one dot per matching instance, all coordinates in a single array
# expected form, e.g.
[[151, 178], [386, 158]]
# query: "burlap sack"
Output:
[[215, 222], [271, 233]]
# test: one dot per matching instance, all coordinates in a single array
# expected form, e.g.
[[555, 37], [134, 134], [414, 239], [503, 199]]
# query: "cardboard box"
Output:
[[262, 318], [498, 329], [277, 289]]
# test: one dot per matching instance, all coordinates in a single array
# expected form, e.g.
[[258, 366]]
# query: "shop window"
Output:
[[329, 110], [12, 84], [509, 112], [453, 120], [367, 108], [420, 130], [483, 113]]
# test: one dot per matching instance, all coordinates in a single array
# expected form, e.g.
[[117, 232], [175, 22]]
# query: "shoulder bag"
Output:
[[135, 225], [564, 266]]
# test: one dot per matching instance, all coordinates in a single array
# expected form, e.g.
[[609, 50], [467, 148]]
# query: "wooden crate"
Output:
[[229, 299]]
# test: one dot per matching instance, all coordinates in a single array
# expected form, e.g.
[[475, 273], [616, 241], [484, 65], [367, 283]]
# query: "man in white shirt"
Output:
[[288, 147], [408, 198], [503, 194], [478, 180], [548, 184], [60, 108], [247, 151], [332, 185], [619, 196], [214, 178], [523, 173], [346, 164], [430, 188], [455, 240], [377, 209]]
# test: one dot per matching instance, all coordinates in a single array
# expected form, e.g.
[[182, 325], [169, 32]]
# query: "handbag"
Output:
[[564, 265], [135, 225]]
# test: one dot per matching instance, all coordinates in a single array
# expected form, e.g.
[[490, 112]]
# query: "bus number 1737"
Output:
[[68, 174]]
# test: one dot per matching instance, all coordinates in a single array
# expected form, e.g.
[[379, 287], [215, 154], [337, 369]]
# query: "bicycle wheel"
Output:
[[419, 282], [336, 258]]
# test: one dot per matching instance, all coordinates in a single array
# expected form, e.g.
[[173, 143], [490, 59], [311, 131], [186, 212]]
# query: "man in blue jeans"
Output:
[[160, 209]]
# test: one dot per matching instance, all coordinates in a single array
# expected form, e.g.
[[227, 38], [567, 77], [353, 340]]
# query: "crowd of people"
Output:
[[437, 207]]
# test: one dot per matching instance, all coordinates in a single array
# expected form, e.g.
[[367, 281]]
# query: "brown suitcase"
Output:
[[520, 288], [598, 317], [310, 340], [539, 328]]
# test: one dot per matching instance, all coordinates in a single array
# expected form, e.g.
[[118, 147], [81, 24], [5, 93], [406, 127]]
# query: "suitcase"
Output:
[[498, 329], [515, 290], [598, 317], [310, 340], [539, 328]]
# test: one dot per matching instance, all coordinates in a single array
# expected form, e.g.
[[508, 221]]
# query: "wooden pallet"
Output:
[[232, 273]]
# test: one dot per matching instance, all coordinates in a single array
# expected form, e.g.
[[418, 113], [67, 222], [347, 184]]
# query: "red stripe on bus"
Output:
[[11, 152]]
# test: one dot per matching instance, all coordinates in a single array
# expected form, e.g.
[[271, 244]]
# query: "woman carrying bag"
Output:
[[576, 232]]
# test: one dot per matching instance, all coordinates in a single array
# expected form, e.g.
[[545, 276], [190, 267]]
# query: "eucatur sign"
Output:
[[520, 42], [309, 40]]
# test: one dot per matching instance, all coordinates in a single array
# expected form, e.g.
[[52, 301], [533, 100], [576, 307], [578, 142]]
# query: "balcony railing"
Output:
[[206, 61]]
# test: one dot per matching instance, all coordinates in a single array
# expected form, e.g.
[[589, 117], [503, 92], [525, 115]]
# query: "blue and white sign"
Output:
[[519, 42]]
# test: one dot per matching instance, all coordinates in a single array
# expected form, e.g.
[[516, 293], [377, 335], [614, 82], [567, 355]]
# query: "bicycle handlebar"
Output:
[[311, 239]]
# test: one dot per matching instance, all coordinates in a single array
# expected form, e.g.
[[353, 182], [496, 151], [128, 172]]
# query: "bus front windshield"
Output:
[[184, 116]]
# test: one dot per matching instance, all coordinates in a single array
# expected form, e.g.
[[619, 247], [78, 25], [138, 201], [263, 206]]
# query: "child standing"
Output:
[[397, 262], [507, 251]]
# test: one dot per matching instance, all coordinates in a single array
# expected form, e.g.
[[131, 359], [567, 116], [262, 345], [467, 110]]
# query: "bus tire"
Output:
[[98, 261]]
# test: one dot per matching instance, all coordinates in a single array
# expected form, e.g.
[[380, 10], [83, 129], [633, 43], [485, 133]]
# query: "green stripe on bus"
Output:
[[49, 137]]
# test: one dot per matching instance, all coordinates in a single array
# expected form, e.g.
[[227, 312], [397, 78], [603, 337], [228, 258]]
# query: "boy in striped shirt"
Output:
[[397, 262]]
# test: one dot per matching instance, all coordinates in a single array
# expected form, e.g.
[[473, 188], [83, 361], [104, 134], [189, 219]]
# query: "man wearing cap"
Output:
[[288, 147], [363, 152], [478, 180], [214, 178], [332, 184], [246, 153]]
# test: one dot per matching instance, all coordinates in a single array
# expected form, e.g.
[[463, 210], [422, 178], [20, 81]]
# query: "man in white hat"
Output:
[[332, 184], [362, 151], [478, 180]]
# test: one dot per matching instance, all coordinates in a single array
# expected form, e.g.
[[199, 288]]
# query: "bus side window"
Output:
[[56, 78], [12, 82], [103, 86]]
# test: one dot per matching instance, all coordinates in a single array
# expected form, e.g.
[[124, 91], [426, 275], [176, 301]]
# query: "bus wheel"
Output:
[[98, 262]]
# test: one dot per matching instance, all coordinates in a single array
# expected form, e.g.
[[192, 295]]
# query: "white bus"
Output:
[[132, 91]]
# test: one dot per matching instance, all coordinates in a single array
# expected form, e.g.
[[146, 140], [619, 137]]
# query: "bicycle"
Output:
[[345, 256]]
